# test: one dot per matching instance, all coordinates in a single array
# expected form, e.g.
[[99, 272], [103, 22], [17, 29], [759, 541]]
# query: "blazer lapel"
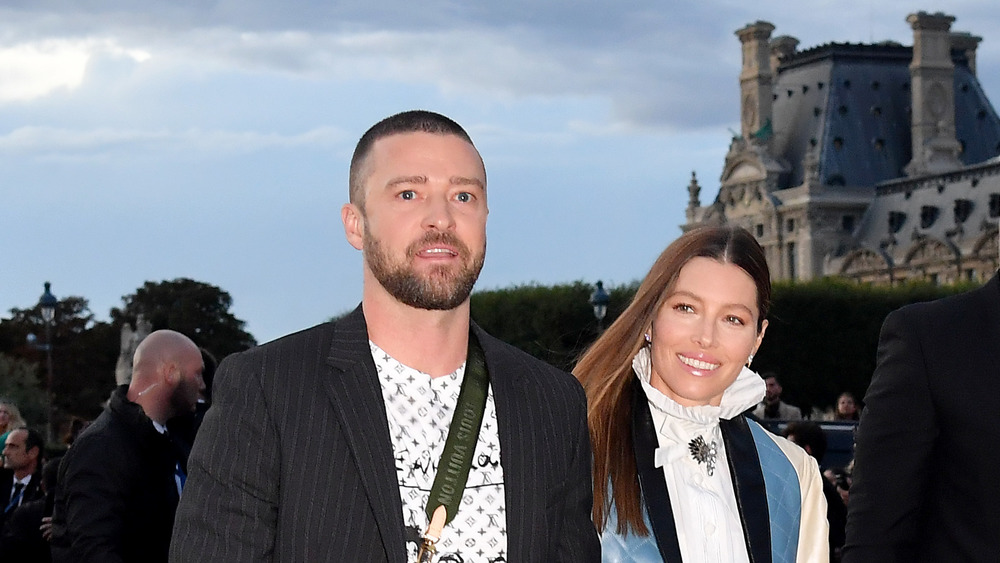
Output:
[[748, 482], [354, 390], [519, 486]]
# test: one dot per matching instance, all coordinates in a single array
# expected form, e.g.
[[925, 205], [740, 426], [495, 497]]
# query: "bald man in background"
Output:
[[120, 482]]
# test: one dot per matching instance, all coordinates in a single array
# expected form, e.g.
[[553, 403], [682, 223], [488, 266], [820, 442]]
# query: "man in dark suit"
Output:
[[21, 477], [119, 483], [321, 446], [928, 446]]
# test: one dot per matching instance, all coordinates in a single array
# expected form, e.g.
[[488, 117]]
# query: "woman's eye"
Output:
[[734, 320], [684, 308]]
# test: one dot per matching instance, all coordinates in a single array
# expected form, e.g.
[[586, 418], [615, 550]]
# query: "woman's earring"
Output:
[[649, 339], [749, 360]]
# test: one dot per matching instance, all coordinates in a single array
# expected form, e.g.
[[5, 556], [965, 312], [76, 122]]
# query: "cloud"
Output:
[[51, 142], [35, 69]]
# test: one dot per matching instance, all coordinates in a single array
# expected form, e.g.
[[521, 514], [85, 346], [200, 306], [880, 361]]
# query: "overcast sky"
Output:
[[211, 139]]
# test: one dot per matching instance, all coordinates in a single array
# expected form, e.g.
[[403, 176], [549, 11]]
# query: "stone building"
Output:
[[875, 162]]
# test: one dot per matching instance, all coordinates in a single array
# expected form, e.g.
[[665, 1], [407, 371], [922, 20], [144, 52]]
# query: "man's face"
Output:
[[14, 455], [423, 226], [190, 386], [773, 391]]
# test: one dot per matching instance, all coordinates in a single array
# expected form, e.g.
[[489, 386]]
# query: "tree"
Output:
[[195, 309], [83, 357], [19, 384], [554, 324]]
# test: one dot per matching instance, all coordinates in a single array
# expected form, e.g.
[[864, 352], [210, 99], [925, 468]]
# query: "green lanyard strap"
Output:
[[459, 448]]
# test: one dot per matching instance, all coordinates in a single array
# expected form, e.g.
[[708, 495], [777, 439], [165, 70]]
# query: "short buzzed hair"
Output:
[[414, 121], [34, 440]]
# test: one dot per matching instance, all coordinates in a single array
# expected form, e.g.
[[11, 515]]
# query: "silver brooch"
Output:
[[703, 452]]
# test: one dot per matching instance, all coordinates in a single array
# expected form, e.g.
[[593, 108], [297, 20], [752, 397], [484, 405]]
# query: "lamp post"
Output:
[[599, 300], [47, 303]]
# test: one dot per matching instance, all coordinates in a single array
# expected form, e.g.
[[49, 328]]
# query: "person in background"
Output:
[[184, 426], [20, 478], [847, 408], [119, 484], [809, 436], [680, 473], [10, 418], [928, 445], [772, 407], [25, 538]]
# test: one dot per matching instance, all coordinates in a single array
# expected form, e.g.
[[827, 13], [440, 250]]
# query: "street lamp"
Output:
[[599, 300], [47, 303]]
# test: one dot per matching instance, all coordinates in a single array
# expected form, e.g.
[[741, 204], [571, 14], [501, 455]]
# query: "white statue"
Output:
[[130, 340]]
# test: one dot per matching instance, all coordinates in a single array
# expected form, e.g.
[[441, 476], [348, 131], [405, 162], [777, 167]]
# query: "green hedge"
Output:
[[821, 338]]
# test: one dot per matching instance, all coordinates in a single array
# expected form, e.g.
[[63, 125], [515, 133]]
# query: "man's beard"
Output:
[[441, 289]]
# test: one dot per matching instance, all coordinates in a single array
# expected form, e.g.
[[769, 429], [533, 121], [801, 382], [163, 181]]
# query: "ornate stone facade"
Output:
[[874, 162]]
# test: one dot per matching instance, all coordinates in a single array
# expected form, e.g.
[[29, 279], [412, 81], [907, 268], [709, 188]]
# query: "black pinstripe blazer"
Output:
[[294, 461]]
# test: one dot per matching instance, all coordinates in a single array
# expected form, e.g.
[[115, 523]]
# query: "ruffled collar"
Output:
[[746, 391]]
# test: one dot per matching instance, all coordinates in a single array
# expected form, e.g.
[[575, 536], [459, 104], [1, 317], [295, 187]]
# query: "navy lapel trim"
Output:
[[652, 483], [748, 481], [353, 388]]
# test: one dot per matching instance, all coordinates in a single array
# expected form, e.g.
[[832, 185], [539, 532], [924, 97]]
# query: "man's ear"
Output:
[[171, 373], [354, 225]]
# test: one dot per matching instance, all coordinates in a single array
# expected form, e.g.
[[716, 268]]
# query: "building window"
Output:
[[847, 223], [790, 225], [791, 261], [760, 230], [994, 205]]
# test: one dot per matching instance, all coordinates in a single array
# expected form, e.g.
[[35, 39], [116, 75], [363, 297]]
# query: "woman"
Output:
[[847, 407], [666, 388], [10, 419]]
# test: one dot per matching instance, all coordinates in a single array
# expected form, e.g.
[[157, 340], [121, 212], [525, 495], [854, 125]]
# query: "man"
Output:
[[928, 446], [119, 483], [773, 408], [321, 446], [24, 536], [20, 480]]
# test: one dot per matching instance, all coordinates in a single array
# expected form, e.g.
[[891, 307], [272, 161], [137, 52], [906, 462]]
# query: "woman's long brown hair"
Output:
[[605, 369]]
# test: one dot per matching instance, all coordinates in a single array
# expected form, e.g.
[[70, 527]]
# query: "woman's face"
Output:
[[704, 332], [4, 416], [846, 406]]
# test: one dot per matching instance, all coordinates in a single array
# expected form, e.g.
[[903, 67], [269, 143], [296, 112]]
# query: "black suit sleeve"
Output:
[[579, 542], [895, 440]]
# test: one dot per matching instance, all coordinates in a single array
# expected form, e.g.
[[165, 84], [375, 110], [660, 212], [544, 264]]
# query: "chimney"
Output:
[[932, 95], [755, 79], [966, 43], [782, 49]]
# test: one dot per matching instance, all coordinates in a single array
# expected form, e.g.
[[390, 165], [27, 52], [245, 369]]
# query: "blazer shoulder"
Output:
[[530, 368], [983, 300], [309, 338]]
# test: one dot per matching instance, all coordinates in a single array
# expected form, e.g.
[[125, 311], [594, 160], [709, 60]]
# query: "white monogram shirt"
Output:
[[419, 410]]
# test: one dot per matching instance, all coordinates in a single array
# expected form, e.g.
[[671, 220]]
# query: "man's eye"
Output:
[[408, 194], [464, 197]]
